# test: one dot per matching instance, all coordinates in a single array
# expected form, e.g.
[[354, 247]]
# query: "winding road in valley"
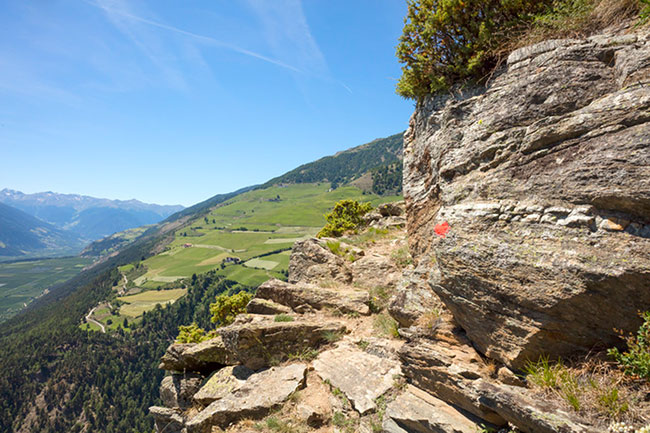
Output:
[[89, 319]]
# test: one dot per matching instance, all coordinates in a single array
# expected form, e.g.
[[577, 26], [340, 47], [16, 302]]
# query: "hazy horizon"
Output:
[[172, 103]]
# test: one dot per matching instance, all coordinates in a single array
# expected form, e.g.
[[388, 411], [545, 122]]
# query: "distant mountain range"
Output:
[[88, 217], [24, 235]]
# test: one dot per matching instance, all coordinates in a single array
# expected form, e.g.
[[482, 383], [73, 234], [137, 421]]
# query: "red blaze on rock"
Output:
[[441, 229]]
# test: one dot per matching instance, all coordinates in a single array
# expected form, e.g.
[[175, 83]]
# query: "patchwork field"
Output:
[[248, 228], [21, 282], [135, 305], [246, 239]]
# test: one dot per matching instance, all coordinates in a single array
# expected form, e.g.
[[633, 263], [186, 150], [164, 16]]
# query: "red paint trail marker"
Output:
[[442, 229]]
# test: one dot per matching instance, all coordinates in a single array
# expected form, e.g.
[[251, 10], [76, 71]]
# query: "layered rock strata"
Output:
[[544, 180]]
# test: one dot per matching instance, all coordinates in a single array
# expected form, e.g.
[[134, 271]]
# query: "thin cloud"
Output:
[[113, 12], [290, 38]]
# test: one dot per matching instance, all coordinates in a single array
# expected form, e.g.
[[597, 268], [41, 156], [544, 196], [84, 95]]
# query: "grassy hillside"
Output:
[[96, 381], [246, 239], [248, 227]]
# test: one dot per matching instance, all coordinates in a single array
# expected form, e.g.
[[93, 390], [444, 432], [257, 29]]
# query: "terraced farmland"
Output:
[[248, 228]]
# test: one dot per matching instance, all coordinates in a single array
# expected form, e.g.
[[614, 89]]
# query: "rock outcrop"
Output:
[[312, 261], [544, 180], [261, 342], [302, 297], [260, 393]]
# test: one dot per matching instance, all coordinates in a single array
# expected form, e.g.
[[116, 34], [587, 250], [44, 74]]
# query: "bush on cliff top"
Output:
[[449, 42], [346, 216]]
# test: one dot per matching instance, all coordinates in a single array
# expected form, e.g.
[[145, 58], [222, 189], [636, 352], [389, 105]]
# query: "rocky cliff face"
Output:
[[544, 180]]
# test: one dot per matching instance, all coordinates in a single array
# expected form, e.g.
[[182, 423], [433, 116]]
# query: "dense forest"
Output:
[[346, 166], [387, 179], [64, 379]]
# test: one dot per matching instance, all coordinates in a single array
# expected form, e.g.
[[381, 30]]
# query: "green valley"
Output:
[[23, 281], [246, 239]]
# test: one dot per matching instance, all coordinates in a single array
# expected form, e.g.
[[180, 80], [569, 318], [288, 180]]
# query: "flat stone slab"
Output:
[[416, 411], [221, 383], [266, 306], [362, 377], [261, 393], [300, 294]]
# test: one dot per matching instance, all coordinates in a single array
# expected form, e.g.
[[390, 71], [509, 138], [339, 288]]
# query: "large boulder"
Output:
[[375, 270], [450, 369], [312, 262], [177, 390], [413, 299], [206, 356], [167, 420], [299, 295], [544, 184], [261, 393], [260, 341], [259, 305]]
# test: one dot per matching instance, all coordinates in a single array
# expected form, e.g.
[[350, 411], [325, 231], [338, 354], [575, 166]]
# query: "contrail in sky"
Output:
[[203, 38]]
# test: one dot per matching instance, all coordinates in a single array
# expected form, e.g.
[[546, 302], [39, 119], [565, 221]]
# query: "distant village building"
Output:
[[187, 245]]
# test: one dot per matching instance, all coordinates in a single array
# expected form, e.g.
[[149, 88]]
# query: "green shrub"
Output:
[[644, 15], [347, 216], [449, 41], [636, 361], [193, 334], [555, 377], [226, 308]]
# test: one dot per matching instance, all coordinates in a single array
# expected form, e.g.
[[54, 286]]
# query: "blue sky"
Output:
[[174, 101]]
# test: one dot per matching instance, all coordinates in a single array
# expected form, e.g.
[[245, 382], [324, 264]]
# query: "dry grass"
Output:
[[573, 19], [592, 387], [577, 19]]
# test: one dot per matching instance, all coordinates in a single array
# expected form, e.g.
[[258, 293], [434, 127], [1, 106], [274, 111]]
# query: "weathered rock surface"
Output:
[[311, 261], [260, 342], [533, 416], [200, 357], [391, 209], [362, 377], [298, 295], [375, 270], [265, 306], [413, 298], [416, 411], [177, 390], [221, 383], [545, 184], [261, 393], [166, 419], [449, 369]]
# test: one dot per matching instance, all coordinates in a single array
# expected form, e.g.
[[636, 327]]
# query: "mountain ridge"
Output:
[[88, 217], [22, 235]]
